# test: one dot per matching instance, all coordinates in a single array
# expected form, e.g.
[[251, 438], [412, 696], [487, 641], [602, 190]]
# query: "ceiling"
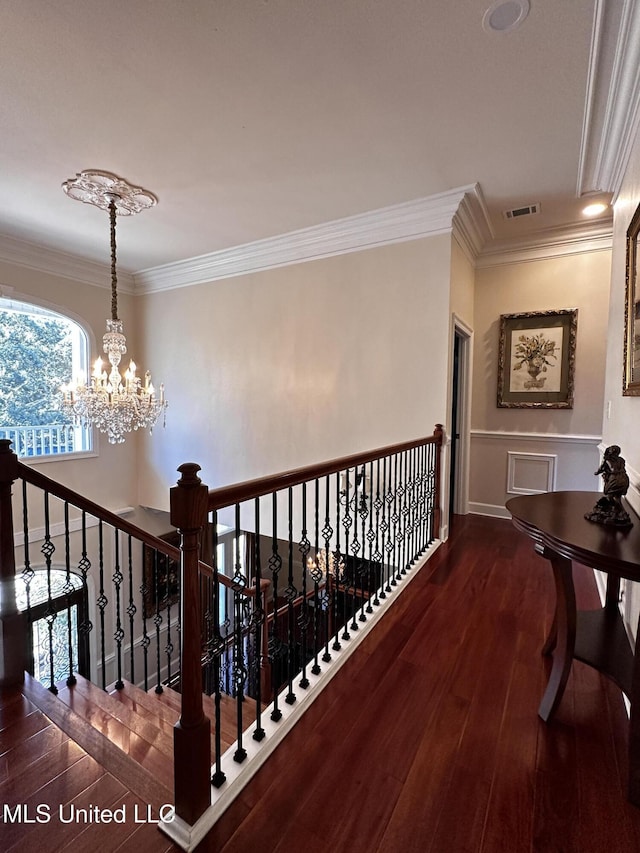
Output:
[[254, 118]]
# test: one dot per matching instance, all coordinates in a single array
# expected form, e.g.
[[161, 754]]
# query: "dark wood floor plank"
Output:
[[21, 729], [105, 791], [30, 750], [64, 787], [14, 707]]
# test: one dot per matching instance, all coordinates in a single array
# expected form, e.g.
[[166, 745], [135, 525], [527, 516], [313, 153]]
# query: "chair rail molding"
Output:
[[556, 438]]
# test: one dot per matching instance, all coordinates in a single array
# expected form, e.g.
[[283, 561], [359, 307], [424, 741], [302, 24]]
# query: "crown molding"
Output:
[[612, 105], [549, 243], [471, 223], [422, 217], [22, 253]]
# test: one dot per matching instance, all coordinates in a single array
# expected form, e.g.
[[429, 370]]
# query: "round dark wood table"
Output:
[[556, 523]]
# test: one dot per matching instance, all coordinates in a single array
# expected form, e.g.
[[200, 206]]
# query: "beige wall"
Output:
[[571, 435], [462, 285], [277, 369], [109, 477], [623, 425]]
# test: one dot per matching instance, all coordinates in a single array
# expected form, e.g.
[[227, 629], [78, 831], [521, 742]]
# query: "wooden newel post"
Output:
[[12, 624], [192, 732], [438, 434]]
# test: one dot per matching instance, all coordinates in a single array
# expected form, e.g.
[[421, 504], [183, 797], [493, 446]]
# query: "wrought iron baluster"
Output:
[[157, 620], [27, 572], [48, 549], [258, 621], [290, 595], [118, 636], [384, 529], [329, 595], [131, 611], [314, 571], [275, 644], [86, 626], [395, 520], [303, 618], [338, 576], [102, 602], [422, 498], [390, 498], [346, 524], [145, 592], [215, 649], [370, 539], [355, 550], [415, 505], [377, 553], [406, 512], [239, 669], [364, 568], [167, 601], [68, 590], [402, 511], [432, 491]]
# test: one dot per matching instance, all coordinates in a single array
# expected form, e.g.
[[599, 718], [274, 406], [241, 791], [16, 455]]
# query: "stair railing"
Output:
[[330, 543], [92, 593]]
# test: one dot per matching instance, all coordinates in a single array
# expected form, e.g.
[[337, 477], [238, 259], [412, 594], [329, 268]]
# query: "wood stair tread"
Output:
[[134, 735], [228, 714], [121, 751]]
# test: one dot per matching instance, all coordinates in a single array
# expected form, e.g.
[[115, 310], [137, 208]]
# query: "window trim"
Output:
[[9, 295]]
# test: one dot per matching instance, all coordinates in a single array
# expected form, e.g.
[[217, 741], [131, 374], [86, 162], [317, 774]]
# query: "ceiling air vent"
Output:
[[525, 210]]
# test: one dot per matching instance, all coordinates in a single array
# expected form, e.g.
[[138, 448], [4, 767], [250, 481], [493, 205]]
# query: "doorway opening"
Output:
[[459, 420]]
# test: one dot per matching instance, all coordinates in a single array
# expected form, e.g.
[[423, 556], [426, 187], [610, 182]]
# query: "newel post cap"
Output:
[[188, 499], [8, 462]]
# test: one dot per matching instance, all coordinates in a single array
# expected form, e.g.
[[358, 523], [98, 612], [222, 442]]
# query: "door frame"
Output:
[[464, 333]]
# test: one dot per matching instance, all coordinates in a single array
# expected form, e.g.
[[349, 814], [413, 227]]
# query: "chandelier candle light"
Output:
[[113, 403]]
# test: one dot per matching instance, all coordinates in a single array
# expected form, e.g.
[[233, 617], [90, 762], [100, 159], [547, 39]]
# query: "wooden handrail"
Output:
[[228, 495], [35, 478], [40, 481]]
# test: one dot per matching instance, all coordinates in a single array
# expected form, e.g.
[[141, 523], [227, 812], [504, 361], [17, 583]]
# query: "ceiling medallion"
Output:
[[115, 404]]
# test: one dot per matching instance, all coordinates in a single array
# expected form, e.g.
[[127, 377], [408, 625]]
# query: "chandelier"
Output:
[[321, 567], [114, 403]]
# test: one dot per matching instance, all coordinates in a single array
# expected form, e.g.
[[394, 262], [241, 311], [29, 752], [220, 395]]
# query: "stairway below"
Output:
[[130, 731]]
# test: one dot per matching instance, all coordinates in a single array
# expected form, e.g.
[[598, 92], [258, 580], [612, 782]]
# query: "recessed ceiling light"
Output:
[[594, 209], [505, 15]]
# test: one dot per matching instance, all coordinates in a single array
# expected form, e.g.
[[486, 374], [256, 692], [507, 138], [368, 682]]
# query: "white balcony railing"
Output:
[[46, 439]]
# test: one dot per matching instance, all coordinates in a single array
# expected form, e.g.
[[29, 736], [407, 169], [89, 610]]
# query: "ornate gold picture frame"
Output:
[[631, 358], [536, 359]]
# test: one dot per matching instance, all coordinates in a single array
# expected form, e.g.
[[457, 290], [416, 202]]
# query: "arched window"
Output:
[[40, 350]]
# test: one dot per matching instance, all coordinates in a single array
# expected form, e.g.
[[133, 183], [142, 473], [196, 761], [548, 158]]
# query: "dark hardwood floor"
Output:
[[427, 740]]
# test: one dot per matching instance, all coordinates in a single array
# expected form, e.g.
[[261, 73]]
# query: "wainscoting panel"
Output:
[[531, 473], [504, 464]]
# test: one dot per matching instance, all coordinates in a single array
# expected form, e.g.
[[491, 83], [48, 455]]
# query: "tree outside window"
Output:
[[39, 351]]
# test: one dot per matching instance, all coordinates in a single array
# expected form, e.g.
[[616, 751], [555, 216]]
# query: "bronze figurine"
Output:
[[609, 509]]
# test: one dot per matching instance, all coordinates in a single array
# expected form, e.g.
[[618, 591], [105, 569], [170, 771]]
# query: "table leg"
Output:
[[552, 638], [634, 733], [565, 630]]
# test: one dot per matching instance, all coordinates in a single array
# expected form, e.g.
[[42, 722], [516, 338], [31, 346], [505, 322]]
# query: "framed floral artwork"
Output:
[[631, 377], [536, 359]]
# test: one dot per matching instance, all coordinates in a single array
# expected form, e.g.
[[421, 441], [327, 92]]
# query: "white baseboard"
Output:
[[493, 510]]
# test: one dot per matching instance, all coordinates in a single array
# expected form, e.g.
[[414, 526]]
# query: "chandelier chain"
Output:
[[114, 276]]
